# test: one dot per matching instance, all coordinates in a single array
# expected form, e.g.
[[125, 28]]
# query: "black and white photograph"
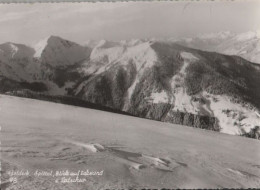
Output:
[[130, 95]]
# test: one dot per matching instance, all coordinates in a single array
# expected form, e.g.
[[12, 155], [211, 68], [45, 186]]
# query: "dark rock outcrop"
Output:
[[253, 133], [192, 120]]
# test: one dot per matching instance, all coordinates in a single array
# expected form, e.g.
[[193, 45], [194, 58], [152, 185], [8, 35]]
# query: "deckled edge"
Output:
[[95, 1]]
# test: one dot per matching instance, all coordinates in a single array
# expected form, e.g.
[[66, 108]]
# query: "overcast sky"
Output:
[[29, 23]]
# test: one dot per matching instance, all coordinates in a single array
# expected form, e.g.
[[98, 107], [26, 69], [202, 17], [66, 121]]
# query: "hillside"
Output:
[[131, 152], [158, 80]]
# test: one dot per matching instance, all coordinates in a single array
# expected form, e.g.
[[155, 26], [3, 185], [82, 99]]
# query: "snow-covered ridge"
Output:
[[246, 45], [142, 55], [243, 44]]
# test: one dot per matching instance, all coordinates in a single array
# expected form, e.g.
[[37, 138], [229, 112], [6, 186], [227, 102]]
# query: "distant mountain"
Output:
[[163, 81], [52, 63], [55, 51], [16, 62], [246, 45]]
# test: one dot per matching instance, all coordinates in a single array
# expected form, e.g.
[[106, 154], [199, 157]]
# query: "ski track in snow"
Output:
[[133, 160]]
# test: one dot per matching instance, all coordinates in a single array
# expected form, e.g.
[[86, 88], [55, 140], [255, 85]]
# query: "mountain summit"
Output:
[[15, 51], [56, 51]]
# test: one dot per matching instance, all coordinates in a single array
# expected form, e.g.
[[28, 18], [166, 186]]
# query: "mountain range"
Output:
[[209, 82], [246, 45]]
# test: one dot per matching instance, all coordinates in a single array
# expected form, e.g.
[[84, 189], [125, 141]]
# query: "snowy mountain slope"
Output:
[[182, 101], [235, 118], [151, 79], [132, 152], [192, 98], [154, 78]]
